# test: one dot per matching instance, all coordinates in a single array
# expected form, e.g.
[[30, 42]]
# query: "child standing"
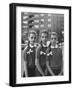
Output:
[[29, 55], [41, 54], [54, 59]]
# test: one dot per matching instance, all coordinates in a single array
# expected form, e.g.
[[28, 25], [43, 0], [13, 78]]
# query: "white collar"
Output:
[[56, 46], [44, 45], [32, 45]]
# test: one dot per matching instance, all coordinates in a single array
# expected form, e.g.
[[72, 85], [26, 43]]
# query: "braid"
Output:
[[41, 43], [49, 47]]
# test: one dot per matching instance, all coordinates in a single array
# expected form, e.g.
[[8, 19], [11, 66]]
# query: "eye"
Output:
[[31, 37], [53, 38]]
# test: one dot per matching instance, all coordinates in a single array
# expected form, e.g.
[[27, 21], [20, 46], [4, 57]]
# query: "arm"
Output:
[[61, 70], [25, 69], [49, 68], [39, 67], [48, 51], [37, 61], [25, 62]]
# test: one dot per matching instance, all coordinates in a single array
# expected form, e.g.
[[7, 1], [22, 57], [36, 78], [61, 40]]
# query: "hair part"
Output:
[[32, 32], [44, 31], [54, 33]]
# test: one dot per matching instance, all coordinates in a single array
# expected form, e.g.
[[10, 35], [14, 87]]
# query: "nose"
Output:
[[33, 39], [44, 38]]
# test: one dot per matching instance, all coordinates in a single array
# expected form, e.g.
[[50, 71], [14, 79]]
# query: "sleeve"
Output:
[[24, 53], [38, 51]]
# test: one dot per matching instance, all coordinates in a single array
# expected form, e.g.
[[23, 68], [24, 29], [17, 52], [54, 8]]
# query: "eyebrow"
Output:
[[54, 38]]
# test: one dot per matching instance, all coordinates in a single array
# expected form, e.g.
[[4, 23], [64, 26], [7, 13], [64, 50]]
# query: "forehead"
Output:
[[53, 36], [32, 35], [44, 34]]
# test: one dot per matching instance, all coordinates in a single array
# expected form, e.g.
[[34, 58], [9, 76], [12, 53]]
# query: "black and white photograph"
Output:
[[41, 44]]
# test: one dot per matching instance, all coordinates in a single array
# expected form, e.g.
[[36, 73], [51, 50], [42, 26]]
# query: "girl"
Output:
[[41, 54], [54, 59], [29, 55]]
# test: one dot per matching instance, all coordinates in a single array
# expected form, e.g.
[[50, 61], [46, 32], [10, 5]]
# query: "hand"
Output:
[[60, 74], [43, 74], [52, 73], [50, 53]]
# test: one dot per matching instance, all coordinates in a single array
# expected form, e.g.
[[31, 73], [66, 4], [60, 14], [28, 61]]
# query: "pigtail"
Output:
[[41, 43], [48, 49], [28, 43]]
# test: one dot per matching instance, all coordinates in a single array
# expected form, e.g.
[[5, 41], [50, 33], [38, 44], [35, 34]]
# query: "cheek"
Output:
[[52, 41], [30, 39], [42, 38]]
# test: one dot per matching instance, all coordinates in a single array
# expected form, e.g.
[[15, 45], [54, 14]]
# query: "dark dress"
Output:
[[29, 56], [55, 60], [41, 55]]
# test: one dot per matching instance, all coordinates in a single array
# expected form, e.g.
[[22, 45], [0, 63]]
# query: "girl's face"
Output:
[[44, 38], [32, 38], [53, 39]]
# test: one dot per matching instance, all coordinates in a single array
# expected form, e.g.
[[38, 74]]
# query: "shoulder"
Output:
[[59, 48], [25, 49]]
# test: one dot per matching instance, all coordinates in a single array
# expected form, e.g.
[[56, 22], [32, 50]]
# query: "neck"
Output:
[[53, 45], [32, 44], [44, 43]]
